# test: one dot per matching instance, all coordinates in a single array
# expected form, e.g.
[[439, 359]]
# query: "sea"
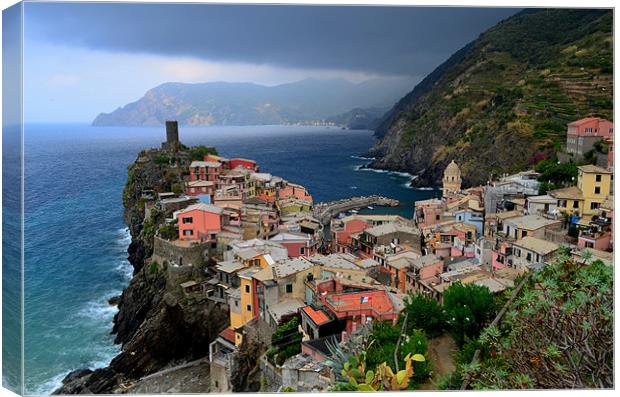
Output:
[[76, 240]]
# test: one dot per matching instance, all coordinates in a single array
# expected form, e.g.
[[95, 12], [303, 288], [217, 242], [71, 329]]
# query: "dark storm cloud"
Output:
[[384, 40]]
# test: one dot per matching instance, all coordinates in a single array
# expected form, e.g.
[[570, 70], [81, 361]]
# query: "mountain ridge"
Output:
[[245, 103], [502, 99]]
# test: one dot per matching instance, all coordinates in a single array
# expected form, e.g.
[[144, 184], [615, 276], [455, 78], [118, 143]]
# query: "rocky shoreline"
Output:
[[155, 325]]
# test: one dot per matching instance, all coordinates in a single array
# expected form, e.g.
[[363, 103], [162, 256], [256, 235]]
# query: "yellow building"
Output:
[[242, 300], [593, 187]]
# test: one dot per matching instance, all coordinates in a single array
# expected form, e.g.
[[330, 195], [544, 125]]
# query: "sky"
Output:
[[81, 59]]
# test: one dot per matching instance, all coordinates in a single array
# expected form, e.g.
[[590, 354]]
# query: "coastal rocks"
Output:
[[86, 381], [114, 301], [156, 324]]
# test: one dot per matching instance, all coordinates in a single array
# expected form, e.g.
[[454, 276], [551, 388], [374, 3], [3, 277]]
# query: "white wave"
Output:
[[362, 168], [100, 309], [425, 188], [48, 387], [102, 359], [124, 238], [353, 187], [363, 158], [125, 270]]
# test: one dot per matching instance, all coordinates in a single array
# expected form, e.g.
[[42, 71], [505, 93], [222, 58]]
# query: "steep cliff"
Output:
[[155, 325], [503, 98]]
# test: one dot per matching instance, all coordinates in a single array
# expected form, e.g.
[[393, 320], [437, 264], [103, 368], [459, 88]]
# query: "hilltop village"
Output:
[[273, 263], [292, 286]]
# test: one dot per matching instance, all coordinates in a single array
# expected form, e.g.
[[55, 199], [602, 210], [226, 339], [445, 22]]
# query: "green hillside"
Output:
[[504, 98]]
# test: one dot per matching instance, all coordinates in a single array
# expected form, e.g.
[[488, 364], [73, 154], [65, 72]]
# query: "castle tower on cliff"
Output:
[[172, 136], [451, 179]]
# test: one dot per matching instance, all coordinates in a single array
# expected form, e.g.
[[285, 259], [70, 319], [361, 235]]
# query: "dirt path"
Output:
[[440, 351]]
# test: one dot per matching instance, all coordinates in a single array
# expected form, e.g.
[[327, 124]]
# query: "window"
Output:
[[188, 232], [302, 250], [597, 190], [529, 256], [524, 233], [594, 206], [436, 217], [575, 204], [289, 288], [589, 244], [236, 303], [599, 177], [562, 203], [247, 289], [248, 308], [188, 220]]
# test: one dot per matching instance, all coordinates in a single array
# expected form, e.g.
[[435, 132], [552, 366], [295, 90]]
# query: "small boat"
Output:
[[354, 211], [370, 207]]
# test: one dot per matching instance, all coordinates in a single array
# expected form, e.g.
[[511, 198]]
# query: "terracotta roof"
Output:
[[572, 193], [539, 246], [379, 301], [585, 120], [317, 316], [531, 222], [228, 334]]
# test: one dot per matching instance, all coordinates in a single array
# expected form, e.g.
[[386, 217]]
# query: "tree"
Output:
[[197, 153], [468, 310], [424, 313], [558, 334]]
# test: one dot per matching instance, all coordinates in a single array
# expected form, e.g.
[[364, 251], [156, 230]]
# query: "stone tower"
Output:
[[172, 136], [451, 179]]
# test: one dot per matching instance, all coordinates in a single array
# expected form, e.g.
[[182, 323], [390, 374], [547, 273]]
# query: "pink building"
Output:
[[199, 222], [358, 308], [583, 134], [205, 171], [297, 244], [428, 212], [501, 252], [599, 241], [200, 187], [245, 163], [422, 270], [342, 229], [591, 126]]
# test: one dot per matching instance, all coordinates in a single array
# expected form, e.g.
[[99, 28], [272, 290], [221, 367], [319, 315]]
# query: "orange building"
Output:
[[199, 222], [295, 191]]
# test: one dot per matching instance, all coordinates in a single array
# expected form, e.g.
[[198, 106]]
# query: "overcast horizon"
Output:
[[83, 59]]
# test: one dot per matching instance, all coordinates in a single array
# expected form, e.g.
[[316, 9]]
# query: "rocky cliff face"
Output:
[[155, 324], [503, 98]]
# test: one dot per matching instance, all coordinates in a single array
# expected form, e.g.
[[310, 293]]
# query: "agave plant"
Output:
[[382, 377]]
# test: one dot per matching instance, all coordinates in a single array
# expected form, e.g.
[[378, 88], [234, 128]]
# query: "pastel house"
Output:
[[199, 222], [297, 244], [205, 171], [583, 134]]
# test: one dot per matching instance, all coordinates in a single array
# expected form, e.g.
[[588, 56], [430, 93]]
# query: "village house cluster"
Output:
[[265, 257]]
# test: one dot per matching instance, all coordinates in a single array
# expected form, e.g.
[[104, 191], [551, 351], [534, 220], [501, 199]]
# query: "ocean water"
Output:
[[76, 241]]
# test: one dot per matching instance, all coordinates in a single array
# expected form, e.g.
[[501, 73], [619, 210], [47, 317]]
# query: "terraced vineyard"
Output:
[[505, 98]]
